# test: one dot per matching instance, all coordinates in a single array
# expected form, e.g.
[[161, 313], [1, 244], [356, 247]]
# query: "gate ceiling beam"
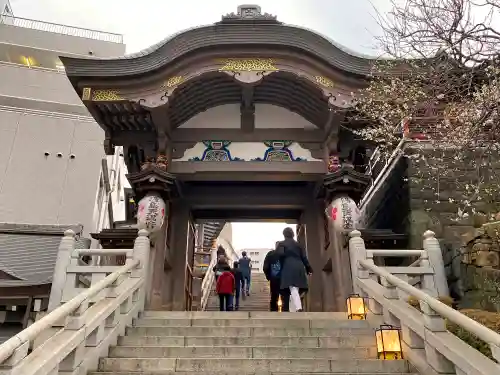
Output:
[[238, 135]]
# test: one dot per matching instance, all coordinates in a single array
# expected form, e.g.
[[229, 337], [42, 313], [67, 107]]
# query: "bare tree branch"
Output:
[[444, 76]]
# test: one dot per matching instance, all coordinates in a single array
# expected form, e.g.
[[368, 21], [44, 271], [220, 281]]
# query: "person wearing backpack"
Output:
[[225, 289], [245, 266], [272, 271]]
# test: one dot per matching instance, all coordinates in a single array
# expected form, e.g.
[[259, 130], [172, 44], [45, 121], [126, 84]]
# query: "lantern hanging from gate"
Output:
[[343, 213], [151, 213]]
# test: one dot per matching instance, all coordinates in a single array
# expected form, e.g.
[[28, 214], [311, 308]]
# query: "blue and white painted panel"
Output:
[[247, 151]]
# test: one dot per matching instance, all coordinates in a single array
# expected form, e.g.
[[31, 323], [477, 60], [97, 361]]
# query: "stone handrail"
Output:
[[76, 333], [427, 343], [233, 256]]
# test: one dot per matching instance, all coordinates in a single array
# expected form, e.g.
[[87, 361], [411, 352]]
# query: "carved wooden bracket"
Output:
[[161, 96], [248, 70]]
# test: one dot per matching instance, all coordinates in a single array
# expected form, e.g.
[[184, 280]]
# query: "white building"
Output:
[[257, 257], [51, 149], [54, 174]]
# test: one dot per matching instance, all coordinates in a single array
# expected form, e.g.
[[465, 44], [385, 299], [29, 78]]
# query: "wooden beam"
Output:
[[237, 135], [248, 170], [247, 109], [332, 125], [159, 116], [247, 197]]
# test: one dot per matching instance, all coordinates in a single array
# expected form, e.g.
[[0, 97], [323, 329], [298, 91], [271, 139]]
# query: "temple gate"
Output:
[[240, 120]]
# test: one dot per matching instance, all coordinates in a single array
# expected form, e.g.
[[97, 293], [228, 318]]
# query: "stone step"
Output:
[[284, 341], [245, 365], [242, 308], [247, 373], [271, 323], [245, 331], [225, 352], [243, 315]]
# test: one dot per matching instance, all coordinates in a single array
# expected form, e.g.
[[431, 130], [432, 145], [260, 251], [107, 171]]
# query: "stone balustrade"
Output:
[[427, 344], [82, 323]]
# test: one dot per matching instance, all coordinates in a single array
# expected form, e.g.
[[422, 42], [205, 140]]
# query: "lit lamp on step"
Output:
[[356, 308], [388, 342], [280, 304]]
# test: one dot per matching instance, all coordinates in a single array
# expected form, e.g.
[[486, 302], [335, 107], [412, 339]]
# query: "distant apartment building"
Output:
[[54, 174]]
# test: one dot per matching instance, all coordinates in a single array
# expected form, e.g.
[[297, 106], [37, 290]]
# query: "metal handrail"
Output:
[[61, 29], [391, 162]]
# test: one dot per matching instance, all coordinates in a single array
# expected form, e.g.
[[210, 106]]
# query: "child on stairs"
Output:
[[225, 289]]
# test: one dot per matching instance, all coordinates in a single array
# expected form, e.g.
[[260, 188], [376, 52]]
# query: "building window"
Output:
[[7, 11]]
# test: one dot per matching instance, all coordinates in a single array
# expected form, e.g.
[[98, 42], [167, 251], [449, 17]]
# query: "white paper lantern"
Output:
[[151, 213], [343, 213]]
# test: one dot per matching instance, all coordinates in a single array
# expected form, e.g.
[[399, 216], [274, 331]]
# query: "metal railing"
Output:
[[61, 29]]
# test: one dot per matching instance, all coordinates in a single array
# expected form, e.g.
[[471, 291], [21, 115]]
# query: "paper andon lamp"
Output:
[[356, 308], [388, 342], [280, 304]]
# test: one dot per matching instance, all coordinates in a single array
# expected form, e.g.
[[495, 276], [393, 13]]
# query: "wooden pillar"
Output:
[[312, 219], [341, 271], [178, 248], [157, 268], [328, 274]]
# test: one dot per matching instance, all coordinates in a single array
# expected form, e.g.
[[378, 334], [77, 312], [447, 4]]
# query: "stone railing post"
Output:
[[431, 246], [357, 252], [141, 252], [66, 248]]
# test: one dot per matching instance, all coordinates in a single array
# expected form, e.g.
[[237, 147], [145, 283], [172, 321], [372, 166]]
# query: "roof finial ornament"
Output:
[[249, 13]]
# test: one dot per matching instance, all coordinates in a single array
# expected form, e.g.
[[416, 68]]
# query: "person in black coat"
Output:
[[294, 270], [272, 271]]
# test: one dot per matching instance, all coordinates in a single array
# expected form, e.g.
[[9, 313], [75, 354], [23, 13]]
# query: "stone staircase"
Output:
[[258, 300], [188, 343]]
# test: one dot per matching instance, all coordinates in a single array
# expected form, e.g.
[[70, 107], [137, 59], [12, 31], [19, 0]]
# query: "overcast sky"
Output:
[[145, 22], [350, 23]]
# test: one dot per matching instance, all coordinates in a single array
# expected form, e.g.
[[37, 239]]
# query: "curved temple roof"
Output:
[[248, 27]]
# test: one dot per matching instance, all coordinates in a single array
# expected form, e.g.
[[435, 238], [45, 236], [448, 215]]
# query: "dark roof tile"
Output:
[[28, 252], [241, 35]]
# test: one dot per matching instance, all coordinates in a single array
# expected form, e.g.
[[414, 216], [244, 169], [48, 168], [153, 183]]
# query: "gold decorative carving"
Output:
[[248, 65], [323, 81], [105, 96], [173, 81], [86, 95]]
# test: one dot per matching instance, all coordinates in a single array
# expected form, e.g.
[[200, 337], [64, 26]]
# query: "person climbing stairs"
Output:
[[257, 301]]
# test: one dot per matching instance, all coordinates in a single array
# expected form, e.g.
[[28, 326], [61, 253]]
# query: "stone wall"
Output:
[[480, 268], [438, 186]]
